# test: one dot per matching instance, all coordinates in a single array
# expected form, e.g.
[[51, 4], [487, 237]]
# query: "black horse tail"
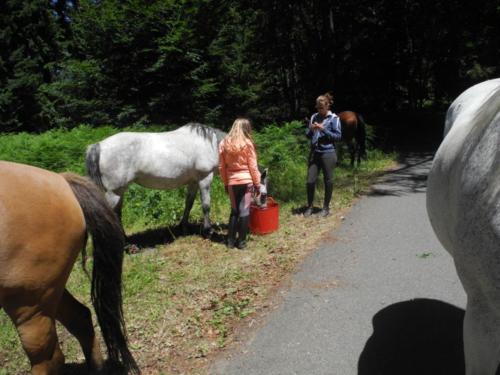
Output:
[[361, 135], [108, 240], [92, 164]]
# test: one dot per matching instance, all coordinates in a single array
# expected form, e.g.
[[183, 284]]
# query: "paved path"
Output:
[[383, 298]]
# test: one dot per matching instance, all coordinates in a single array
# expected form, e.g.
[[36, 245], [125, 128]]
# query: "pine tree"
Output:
[[28, 50]]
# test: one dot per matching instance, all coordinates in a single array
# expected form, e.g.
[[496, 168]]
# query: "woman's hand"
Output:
[[317, 125]]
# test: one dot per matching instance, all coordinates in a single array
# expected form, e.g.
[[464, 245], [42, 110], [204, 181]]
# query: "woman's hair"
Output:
[[239, 135], [325, 100]]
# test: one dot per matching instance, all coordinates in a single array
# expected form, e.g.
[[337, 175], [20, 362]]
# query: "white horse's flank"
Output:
[[185, 156], [463, 203]]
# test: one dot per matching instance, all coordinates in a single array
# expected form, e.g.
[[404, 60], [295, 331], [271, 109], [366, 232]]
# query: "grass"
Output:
[[424, 255], [184, 300]]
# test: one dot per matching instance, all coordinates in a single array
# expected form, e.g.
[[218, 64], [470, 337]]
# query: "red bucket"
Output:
[[266, 219]]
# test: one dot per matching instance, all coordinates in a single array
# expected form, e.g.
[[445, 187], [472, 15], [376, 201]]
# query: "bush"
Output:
[[284, 150]]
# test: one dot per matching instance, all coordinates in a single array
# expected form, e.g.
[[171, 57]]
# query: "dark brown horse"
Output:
[[354, 134], [44, 218]]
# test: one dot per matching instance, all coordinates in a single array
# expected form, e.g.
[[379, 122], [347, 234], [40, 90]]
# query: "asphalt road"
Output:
[[380, 297]]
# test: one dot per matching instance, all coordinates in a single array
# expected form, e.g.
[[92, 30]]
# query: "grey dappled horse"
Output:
[[185, 156], [463, 203]]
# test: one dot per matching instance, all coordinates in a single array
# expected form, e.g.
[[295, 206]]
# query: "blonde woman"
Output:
[[241, 176], [323, 130]]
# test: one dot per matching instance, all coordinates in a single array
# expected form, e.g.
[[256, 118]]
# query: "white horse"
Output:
[[463, 203], [186, 156]]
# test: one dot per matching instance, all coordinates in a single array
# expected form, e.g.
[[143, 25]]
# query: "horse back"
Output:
[[42, 228], [349, 124], [158, 160]]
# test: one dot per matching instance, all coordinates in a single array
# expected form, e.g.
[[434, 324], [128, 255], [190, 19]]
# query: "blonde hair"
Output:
[[325, 100], [239, 135]]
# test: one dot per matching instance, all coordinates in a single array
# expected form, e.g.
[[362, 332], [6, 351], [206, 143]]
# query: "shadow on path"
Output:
[[416, 337], [410, 177]]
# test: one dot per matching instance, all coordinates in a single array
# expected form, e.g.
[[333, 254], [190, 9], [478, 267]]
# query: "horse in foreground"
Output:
[[44, 219], [353, 135], [185, 156], [463, 203]]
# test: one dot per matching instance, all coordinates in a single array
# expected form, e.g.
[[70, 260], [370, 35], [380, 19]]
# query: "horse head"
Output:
[[261, 198]]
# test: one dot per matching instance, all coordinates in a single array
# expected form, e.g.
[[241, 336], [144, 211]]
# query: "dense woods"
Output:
[[67, 62]]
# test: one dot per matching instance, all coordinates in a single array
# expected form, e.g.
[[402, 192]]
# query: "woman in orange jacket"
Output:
[[241, 176]]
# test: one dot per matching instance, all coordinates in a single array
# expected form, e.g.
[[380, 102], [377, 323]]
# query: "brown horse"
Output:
[[44, 218], [354, 134]]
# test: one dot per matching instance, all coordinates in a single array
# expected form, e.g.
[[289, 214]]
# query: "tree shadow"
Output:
[[169, 234], [411, 177], [421, 336]]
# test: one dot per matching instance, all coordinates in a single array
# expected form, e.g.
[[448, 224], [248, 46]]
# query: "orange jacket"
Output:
[[238, 167]]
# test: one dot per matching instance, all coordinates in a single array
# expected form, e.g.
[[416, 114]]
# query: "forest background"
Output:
[[136, 62]]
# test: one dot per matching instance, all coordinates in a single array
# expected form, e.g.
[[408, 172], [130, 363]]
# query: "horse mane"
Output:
[[206, 131]]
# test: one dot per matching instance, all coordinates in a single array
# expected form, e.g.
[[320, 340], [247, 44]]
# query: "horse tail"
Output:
[[92, 164], [361, 134], [108, 240]]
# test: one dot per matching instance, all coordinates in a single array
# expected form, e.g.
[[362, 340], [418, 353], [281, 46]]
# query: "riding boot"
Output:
[[231, 231], [310, 198], [328, 195], [242, 232]]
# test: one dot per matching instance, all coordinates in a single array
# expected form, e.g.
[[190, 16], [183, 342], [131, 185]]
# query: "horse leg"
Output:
[[352, 152], [204, 185], [192, 189], [115, 200], [358, 153], [39, 339], [78, 321], [481, 346], [340, 151]]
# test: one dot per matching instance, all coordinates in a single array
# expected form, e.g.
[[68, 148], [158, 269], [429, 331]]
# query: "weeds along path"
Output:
[[379, 296]]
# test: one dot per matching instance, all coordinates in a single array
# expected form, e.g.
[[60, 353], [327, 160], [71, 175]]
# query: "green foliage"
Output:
[[63, 63], [28, 49], [141, 64], [75, 96], [56, 150], [284, 150], [146, 208]]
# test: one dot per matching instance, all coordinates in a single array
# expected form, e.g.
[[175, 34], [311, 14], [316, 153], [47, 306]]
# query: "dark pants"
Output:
[[240, 197], [324, 162]]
